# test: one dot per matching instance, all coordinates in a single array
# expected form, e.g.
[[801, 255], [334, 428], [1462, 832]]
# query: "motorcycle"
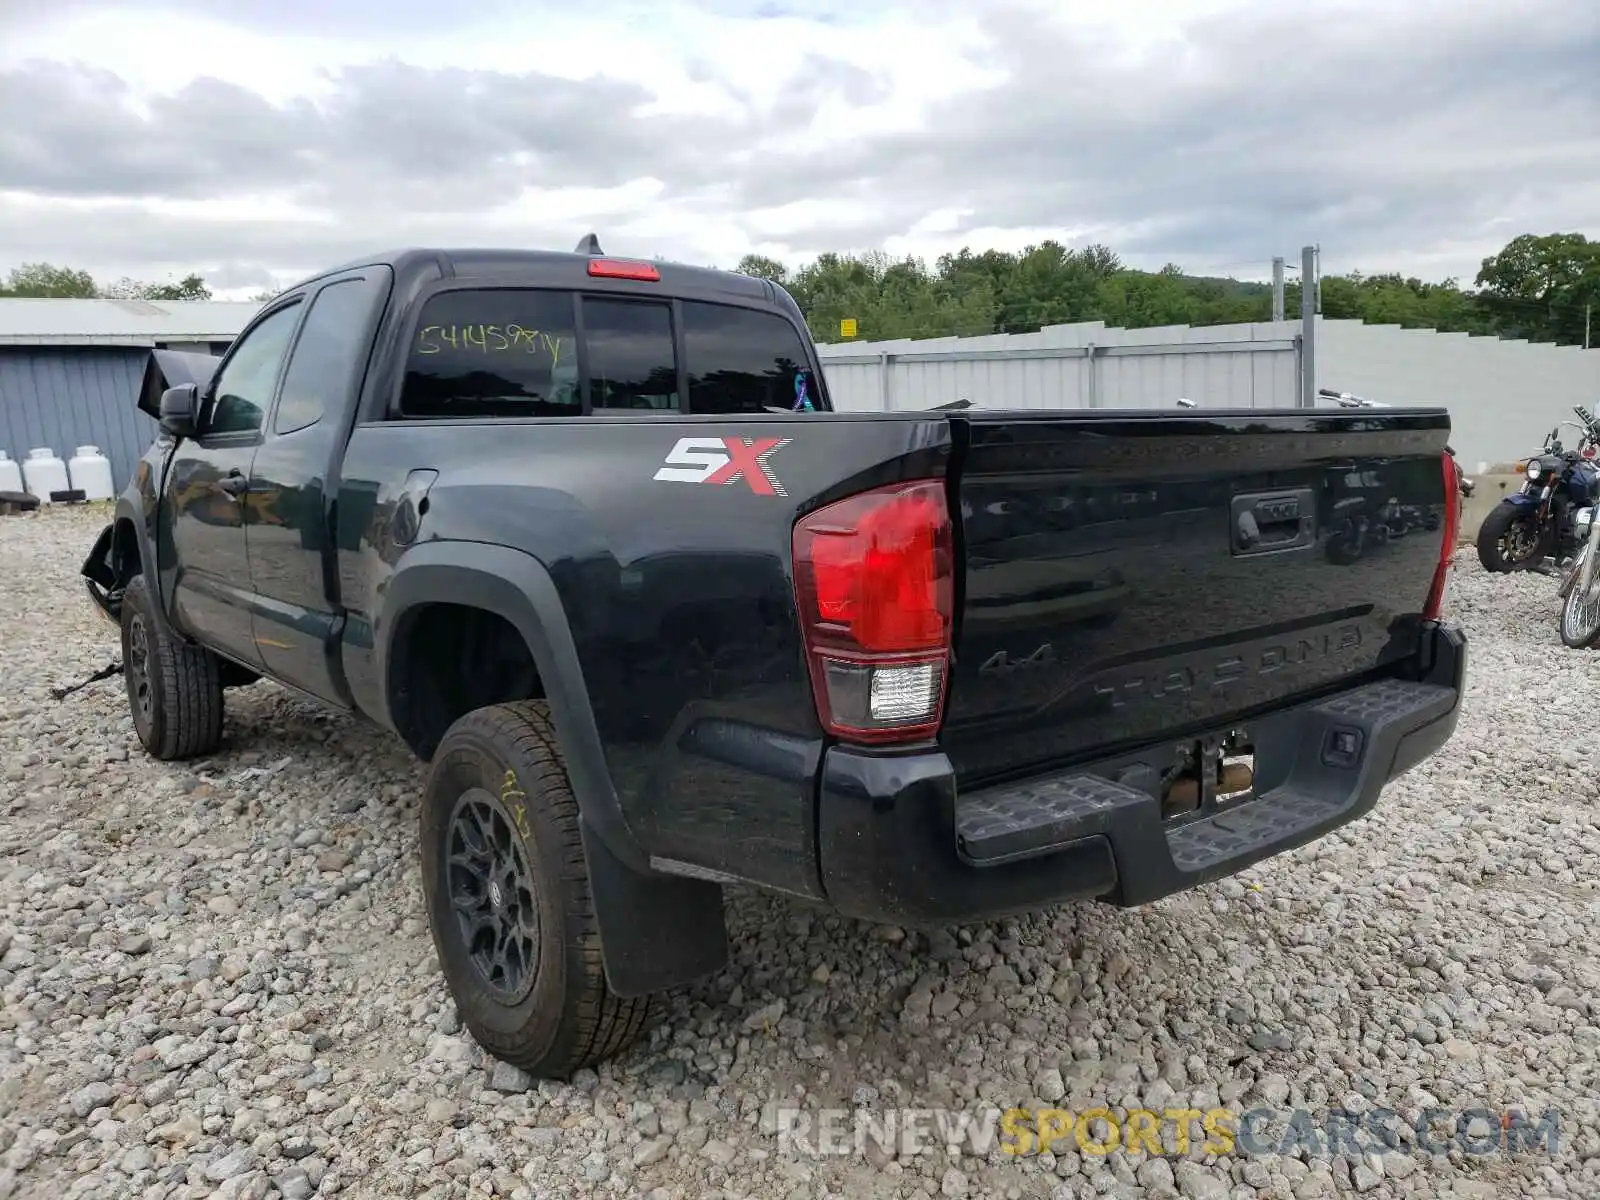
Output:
[[1540, 521], [1580, 589]]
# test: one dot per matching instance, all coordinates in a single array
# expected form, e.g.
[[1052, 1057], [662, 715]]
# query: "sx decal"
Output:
[[725, 460]]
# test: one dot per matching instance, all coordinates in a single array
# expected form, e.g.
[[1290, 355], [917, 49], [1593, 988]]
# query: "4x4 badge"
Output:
[[725, 460], [1001, 662]]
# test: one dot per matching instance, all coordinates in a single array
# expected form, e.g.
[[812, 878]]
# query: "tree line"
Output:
[[1543, 288], [44, 280]]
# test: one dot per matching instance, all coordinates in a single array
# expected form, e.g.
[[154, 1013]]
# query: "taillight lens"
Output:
[[1451, 531], [874, 579]]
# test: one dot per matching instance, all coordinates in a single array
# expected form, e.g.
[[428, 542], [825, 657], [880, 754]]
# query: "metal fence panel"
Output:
[[1071, 366], [1503, 395]]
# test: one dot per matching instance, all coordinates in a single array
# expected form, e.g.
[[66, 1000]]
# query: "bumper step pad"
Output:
[[1020, 822], [1344, 749], [1265, 821]]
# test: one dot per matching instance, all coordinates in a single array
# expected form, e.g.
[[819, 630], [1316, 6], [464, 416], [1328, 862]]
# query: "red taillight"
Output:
[[874, 578], [613, 268], [1451, 531]]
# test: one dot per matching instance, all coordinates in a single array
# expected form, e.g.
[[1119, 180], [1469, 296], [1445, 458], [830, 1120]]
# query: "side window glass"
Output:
[[740, 360], [494, 352], [631, 359], [331, 346], [244, 388]]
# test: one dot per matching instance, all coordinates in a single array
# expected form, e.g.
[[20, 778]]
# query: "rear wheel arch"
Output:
[[516, 589], [657, 931]]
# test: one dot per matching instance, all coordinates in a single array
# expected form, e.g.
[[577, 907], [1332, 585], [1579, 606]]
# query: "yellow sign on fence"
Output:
[[847, 327]]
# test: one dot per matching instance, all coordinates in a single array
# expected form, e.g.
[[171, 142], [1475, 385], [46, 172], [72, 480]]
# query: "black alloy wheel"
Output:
[[492, 894]]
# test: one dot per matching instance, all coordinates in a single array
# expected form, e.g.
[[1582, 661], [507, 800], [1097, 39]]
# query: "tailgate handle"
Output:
[[1267, 522]]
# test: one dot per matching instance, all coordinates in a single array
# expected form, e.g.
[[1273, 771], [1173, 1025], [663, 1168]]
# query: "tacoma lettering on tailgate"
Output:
[[1177, 680]]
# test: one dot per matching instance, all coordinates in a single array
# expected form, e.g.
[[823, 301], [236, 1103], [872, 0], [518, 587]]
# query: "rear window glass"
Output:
[[740, 360], [495, 352], [631, 360]]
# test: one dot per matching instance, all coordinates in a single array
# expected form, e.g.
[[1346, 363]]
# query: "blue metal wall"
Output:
[[69, 396]]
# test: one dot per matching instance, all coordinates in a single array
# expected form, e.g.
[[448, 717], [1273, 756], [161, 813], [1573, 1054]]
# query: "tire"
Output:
[[1580, 612], [174, 687], [1496, 526], [545, 1007]]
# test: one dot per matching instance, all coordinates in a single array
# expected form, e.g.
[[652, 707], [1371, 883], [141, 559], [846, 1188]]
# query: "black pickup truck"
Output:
[[587, 535]]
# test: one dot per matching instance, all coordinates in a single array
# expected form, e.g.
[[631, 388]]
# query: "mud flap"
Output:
[[656, 931]]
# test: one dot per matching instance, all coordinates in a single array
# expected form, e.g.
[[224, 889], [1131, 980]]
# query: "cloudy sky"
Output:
[[257, 140]]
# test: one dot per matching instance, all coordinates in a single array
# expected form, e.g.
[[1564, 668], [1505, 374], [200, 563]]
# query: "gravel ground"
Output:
[[215, 978]]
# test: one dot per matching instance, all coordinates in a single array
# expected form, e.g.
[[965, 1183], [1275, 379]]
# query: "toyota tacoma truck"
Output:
[[588, 535]]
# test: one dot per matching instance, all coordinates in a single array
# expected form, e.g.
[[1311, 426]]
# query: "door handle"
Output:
[[234, 484]]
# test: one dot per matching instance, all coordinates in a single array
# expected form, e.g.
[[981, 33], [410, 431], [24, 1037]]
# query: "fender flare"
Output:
[[656, 931], [516, 586]]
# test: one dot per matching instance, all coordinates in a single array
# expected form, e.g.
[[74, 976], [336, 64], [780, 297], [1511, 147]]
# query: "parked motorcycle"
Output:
[[1540, 521], [1580, 588]]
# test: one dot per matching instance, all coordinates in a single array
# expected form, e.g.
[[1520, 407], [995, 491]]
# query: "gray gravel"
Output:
[[215, 978]]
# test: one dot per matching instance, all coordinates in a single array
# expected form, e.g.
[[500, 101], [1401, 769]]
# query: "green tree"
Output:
[[763, 268], [1137, 299], [44, 280], [1536, 287], [190, 287], [1540, 287]]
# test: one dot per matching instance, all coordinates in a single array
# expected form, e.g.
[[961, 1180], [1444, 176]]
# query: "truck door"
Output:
[[288, 531], [206, 484]]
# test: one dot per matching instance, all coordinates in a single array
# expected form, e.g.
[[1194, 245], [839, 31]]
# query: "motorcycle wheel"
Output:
[[1510, 539], [1580, 614]]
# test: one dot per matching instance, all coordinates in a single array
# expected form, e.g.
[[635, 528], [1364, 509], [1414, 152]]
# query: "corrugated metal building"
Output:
[[70, 370]]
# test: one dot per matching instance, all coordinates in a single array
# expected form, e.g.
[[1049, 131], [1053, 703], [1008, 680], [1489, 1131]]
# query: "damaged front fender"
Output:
[[101, 576]]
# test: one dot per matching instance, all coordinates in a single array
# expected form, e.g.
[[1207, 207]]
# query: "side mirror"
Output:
[[180, 407]]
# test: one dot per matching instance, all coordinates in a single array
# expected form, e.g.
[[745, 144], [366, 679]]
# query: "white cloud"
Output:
[[253, 140]]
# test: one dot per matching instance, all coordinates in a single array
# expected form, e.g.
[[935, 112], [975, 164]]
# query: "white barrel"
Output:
[[10, 474], [90, 472], [44, 473]]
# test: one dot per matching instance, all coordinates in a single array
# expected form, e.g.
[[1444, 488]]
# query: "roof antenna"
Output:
[[589, 245]]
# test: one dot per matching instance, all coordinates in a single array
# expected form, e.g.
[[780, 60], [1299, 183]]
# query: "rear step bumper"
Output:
[[898, 843]]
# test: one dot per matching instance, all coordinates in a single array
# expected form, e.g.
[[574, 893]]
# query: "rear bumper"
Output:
[[898, 843]]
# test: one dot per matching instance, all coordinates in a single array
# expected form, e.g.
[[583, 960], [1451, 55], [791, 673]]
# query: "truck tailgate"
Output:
[[1133, 577]]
